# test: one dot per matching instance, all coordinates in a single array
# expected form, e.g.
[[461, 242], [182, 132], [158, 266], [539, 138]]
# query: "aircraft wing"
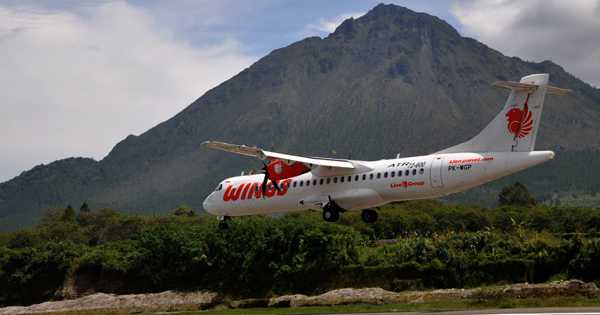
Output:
[[268, 155]]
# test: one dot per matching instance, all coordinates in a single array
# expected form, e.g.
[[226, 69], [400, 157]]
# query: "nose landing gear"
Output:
[[369, 216], [223, 222]]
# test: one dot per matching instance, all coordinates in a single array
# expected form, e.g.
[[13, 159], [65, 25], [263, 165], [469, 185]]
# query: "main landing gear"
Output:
[[223, 222], [331, 213], [369, 215]]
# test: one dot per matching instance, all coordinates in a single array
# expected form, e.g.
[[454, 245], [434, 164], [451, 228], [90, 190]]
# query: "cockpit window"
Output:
[[219, 187]]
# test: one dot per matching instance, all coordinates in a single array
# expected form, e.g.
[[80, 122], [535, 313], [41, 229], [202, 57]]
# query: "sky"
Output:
[[76, 77]]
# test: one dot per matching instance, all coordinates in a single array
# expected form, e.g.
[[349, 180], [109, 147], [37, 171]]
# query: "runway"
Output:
[[511, 311]]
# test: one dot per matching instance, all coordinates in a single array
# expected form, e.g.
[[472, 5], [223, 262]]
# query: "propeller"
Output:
[[263, 187]]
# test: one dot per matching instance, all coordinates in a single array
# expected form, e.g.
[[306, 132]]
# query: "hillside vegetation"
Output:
[[415, 245]]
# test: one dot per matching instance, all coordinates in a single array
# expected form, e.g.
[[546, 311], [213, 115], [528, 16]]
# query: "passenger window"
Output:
[[385, 175], [328, 180], [399, 173], [406, 173], [321, 181], [421, 171], [371, 176], [356, 178], [294, 184], [393, 174], [335, 180], [341, 179], [314, 182], [378, 175], [307, 183], [349, 178], [415, 172], [364, 176], [301, 183]]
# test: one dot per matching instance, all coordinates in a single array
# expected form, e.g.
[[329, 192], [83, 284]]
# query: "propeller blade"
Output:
[[265, 169], [263, 186], [275, 185]]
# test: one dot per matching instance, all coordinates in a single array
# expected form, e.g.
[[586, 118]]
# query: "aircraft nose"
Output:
[[208, 204]]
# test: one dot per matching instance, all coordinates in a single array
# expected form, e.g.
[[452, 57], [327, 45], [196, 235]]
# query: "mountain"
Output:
[[393, 81]]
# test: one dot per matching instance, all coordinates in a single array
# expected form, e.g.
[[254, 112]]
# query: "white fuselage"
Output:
[[373, 184]]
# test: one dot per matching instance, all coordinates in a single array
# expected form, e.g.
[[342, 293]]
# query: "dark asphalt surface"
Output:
[[511, 311]]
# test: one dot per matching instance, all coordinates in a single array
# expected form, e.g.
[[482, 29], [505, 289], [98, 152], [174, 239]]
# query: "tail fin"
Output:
[[515, 128]]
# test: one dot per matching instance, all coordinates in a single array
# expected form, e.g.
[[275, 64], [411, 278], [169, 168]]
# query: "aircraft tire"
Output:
[[224, 223], [330, 214], [369, 216]]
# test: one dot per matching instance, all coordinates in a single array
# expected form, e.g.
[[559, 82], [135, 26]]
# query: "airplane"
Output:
[[290, 183]]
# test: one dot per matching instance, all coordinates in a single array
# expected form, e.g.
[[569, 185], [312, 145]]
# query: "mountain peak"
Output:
[[383, 9], [395, 20]]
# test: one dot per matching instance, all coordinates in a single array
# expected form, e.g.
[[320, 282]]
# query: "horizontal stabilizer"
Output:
[[530, 88], [557, 91], [517, 86]]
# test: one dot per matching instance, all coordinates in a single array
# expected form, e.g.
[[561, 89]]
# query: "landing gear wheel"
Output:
[[369, 215], [224, 223], [330, 214]]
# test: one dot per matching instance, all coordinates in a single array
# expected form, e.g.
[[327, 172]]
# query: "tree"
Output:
[[84, 207], [69, 214], [516, 194], [184, 210], [85, 215]]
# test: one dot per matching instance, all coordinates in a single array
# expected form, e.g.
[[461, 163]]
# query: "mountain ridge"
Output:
[[393, 68]]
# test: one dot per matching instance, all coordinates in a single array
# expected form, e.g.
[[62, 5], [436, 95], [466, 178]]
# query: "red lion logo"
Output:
[[520, 122]]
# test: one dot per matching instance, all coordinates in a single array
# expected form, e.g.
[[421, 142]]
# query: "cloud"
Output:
[[75, 84], [566, 32], [326, 26]]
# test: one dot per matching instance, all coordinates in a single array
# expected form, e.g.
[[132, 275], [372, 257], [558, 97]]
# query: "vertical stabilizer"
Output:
[[515, 128]]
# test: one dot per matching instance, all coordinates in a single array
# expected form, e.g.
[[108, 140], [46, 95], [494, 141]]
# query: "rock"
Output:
[[562, 288], [249, 303], [365, 296], [178, 301], [381, 296], [154, 302], [286, 300]]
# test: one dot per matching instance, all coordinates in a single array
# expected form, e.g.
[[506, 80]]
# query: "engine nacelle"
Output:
[[279, 170]]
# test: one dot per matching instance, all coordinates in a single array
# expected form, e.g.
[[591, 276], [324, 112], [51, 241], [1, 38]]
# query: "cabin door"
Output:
[[436, 172]]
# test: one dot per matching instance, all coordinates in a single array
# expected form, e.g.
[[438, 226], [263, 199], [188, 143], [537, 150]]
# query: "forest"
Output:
[[414, 245]]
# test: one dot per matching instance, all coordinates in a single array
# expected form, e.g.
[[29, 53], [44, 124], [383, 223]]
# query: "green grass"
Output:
[[436, 306], [452, 305], [355, 308]]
